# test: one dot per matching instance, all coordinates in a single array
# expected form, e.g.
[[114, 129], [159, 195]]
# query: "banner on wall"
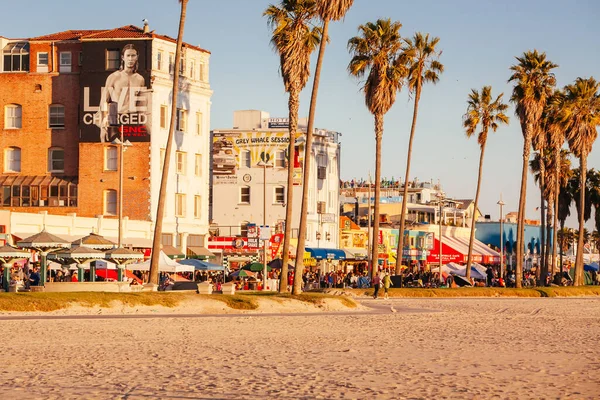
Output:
[[232, 149]]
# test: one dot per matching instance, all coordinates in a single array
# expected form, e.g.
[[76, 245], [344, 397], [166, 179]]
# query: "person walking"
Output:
[[387, 282], [376, 283]]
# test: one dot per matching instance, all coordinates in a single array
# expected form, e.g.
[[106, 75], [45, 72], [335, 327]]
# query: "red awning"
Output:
[[112, 274], [456, 249]]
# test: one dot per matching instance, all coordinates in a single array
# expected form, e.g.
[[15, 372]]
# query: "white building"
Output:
[[241, 183], [186, 211]]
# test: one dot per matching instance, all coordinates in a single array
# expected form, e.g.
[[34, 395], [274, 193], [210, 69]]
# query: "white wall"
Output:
[[194, 96]]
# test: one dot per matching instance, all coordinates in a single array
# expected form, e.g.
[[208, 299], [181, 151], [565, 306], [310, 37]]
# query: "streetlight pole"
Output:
[[264, 165], [264, 225], [120, 239], [501, 203]]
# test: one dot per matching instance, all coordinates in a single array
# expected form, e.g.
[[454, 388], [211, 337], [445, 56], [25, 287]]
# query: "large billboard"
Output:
[[227, 149], [116, 99]]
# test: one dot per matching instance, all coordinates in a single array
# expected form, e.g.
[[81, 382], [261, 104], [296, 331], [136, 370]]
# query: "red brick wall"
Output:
[[94, 180]]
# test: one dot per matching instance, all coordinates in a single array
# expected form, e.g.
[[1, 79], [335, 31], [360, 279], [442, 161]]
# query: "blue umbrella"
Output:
[[591, 267], [200, 265]]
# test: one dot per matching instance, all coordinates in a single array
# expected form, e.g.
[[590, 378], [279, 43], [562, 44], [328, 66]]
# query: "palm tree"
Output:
[[160, 210], [541, 162], [533, 86], [294, 39], [581, 117], [421, 58], [327, 10], [559, 177], [375, 53], [485, 113]]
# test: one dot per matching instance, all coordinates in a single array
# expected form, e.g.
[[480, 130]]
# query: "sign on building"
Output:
[[115, 95]]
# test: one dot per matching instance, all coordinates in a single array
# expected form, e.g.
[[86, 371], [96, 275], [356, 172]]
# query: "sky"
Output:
[[479, 40]]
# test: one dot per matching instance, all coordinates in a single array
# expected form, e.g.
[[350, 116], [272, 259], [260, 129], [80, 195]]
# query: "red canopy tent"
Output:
[[449, 254], [112, 274]]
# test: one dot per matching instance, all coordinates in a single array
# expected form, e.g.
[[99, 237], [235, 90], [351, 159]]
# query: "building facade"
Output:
[[249, 180], [67, 102]]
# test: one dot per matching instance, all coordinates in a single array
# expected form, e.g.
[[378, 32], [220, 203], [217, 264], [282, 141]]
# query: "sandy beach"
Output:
[[429, 348]]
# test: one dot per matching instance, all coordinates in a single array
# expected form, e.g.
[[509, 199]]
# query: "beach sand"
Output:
[[430, 348]]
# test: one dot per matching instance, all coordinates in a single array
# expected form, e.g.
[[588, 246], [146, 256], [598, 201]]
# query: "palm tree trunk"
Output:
[[307, 159], [160, 210], [400, 248], [293, 105], [375, 248], [556, 192], [541, 270], [578, 281], [522, 202], [549, 216], [562, 244], [472, 237]]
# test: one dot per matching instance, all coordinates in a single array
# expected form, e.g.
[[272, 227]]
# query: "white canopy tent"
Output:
[[165, 264]]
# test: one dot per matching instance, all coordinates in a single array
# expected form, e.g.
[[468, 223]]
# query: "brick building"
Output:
[[67, 101]]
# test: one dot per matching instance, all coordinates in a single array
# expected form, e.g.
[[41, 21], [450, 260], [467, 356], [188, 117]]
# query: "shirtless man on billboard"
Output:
[[121, 94]]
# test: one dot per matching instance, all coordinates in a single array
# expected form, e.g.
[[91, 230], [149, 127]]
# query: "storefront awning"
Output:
[[355, 253], [326, 254], [172, 252], [199, 252]]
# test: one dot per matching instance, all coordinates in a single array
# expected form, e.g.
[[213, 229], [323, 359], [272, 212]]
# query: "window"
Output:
[[280, 158], [42, 62], [171, 62], [166, 239], [16, 57], [181, 158], [65, 61], [110, 158], [80, 58], [201, 68], [56, 116], [110, 202], [331, 200], [181, 120], [113, 59], [199, 123], [244, 229], [192, 64], [163, 116], [197, 206], [179, 205], [245, 195], [279, 196], [245, 159], [198, 165], [162, 158], [159, 60], [12, 159], [182, 66], [56, 160], [12, 116]]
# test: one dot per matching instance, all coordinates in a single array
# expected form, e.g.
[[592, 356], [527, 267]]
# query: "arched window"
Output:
[[110, 202], [56, 116], [279, 195], [12, 116], [56, 159], [12, 159], [245, 194], [110, 158]]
